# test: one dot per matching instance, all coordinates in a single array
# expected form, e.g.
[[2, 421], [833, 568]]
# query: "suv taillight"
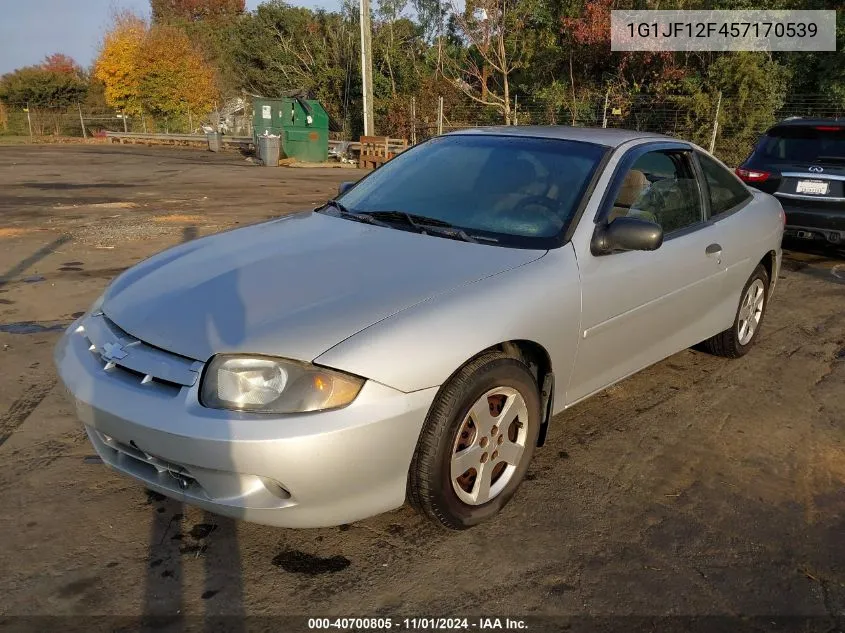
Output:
[[752, 175]]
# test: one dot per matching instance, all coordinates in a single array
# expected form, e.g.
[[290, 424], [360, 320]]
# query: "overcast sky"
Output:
[[32, 29]]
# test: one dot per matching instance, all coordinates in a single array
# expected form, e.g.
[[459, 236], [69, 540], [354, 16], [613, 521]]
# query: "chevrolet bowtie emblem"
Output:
[[113, 351]]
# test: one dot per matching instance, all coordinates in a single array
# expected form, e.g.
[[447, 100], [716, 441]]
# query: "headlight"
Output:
[[274, 385]]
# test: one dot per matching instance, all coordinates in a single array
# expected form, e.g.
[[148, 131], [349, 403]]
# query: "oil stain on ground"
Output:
[[30, 327], [202, 530], [296, 562]]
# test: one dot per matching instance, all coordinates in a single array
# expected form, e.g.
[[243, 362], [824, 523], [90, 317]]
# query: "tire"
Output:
[[451, 427], [734, 342]]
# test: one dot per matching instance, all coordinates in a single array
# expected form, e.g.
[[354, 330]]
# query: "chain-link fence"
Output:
[[729, 123], [78, 121]]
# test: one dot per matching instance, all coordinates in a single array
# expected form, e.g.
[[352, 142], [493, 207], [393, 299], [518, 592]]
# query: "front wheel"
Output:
[[738, 339], [477, 442]]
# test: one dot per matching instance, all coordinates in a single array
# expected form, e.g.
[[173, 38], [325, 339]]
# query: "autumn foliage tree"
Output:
[[194, 10], [64, 64], [174, 77], [156, 70], [117, 65], [47, 90]]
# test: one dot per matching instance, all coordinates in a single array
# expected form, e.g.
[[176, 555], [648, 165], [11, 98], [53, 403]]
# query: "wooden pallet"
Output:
[[377, 150]]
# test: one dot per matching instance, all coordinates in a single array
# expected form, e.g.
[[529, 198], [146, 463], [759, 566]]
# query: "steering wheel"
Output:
[[547, 208]]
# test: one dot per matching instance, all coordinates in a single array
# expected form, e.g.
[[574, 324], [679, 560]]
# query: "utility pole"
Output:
[[367, 67]]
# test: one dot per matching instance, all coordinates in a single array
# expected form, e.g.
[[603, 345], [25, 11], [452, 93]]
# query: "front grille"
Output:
[[149, 467], [129, 359]]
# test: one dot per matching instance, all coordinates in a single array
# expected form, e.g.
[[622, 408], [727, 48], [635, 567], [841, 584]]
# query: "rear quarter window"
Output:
[[725, 191]]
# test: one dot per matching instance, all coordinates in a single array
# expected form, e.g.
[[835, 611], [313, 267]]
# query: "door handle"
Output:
[[714, 249]]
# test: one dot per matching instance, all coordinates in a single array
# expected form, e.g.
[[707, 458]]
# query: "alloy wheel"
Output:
[[750, 311], [489, 445]]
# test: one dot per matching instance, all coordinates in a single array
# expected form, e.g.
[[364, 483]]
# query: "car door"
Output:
[[739, 230], [640, 306]]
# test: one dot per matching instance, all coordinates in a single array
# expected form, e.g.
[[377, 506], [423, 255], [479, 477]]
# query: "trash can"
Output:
[[215, 141], [269, 147]]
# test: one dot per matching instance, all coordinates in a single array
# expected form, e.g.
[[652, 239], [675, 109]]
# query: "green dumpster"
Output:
[[302, 124]]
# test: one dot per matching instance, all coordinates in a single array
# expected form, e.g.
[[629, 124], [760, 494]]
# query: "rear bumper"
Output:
[[307, 470], [814, 220], [833, 236]]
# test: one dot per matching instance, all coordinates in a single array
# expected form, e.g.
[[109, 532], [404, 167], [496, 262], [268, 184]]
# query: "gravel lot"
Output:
[[700, 487]]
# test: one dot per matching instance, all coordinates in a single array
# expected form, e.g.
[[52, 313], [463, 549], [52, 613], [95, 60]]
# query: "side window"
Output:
[[660, 187], [725, 191]]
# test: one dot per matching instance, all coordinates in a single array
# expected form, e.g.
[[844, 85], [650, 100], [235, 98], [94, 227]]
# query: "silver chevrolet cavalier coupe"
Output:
[[412, 339]]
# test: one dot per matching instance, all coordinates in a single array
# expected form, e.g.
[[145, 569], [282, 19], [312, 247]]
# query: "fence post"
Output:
[[190, 122], [29, 121], [123, 116], [81, 120], [604, 114], [144, 121], [413, 120], [716, 122], [515, 108], [440, 116]]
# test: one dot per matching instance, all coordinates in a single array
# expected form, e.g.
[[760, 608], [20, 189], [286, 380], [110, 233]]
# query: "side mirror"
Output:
[[626, 234], [343, 187]]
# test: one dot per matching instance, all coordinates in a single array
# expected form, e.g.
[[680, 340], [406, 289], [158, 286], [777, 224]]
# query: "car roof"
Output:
[[609, 137], [802, 122]]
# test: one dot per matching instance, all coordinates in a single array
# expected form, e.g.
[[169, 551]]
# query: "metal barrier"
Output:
[[134, 137], [129, 137]]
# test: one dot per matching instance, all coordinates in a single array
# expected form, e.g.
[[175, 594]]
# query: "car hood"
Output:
[[291, 287]]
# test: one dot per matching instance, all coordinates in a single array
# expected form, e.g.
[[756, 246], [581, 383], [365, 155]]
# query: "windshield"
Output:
[[513, 191], [799, 144]]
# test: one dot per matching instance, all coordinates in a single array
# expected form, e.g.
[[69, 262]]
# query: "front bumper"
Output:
[[304, 470]]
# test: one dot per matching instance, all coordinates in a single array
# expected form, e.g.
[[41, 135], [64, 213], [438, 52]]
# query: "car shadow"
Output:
[[179, 547], [815, 259]]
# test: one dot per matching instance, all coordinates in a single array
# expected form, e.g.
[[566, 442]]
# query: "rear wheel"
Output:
[[739, 338], [477, 442]]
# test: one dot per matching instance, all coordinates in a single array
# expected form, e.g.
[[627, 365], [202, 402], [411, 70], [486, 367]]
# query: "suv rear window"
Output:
[[804, 144]]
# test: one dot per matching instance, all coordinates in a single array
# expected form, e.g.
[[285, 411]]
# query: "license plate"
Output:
[[817, 187]]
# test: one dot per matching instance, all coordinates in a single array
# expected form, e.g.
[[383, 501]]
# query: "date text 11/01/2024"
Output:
[[712, 29], [417, 624]]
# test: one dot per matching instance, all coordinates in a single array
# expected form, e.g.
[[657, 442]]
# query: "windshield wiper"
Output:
[[412, 219], [357, 217], [830, 159], [426, 225]]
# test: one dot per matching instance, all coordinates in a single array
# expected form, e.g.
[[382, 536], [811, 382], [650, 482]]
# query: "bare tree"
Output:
[[493, 32]]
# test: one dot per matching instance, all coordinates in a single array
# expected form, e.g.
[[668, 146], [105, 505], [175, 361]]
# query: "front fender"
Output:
[[422, 346]]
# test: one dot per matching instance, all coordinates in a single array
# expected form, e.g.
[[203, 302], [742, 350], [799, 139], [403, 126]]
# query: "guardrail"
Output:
[[124, 137], [352, 148], [130, 137]]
